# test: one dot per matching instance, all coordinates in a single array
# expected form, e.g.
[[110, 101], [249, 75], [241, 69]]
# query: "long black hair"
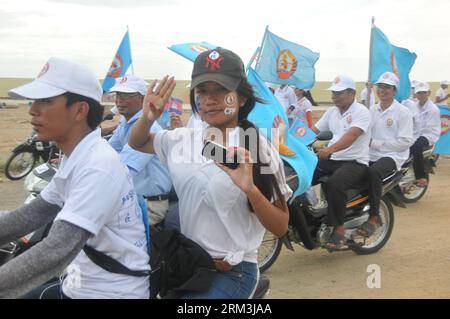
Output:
[[266, 183]]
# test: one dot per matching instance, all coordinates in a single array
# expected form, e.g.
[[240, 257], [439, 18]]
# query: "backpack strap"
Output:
[[110, 264]]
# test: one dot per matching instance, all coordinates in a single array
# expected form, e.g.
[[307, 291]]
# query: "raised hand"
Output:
[[242, 176], [156, 99]]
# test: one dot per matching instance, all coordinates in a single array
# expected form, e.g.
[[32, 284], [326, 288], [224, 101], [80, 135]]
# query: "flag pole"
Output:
[[131, 56], [253, 58], [369, 89], [262, 44], [371, 47]]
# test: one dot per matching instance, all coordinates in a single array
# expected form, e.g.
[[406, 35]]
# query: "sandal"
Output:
[[366, 229], [422, 183], [336, 242]]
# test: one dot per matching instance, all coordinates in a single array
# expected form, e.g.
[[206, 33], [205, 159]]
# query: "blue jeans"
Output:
[[238, 283]]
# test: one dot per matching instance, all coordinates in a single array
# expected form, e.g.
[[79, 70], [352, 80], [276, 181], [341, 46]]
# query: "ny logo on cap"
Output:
[[213, 61]]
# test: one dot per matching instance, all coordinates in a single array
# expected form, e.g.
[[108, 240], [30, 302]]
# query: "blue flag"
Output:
[[302, 132], [120, 64], [443, 144], [272, 115], [191, 50], [387, 57], [285, 62]]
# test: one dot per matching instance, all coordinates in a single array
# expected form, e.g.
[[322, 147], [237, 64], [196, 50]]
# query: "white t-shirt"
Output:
[[427, 122], [441, 93], [357, 115], [301, 108], [96, 193], [391, 132], [410, 103], [363, 96], [214, 212], [195, 121], [286, 96]]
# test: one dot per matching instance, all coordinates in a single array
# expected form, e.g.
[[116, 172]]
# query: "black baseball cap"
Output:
[[218, 65]]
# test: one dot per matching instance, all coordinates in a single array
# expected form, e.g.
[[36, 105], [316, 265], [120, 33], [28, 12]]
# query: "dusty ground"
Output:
[[415, 262]]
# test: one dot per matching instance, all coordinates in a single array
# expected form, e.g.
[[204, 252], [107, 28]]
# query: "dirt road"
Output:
[[415, 262]]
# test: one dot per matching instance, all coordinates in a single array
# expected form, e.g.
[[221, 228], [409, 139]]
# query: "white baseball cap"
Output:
[[341, 83], [414, 83], [422, 87], [388, 78], [57, 77], [130, 84], [445, 82]]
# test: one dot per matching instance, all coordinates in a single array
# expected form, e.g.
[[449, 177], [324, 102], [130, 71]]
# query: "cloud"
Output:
[[91, 30]]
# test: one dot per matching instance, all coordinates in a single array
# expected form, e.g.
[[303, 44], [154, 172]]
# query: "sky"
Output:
[[90, 31]]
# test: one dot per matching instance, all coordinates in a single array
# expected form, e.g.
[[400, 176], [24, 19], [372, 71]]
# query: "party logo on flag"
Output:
[[300, 132], [116, 67], [286, 64]]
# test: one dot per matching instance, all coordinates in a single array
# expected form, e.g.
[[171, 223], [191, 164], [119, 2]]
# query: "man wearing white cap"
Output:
[[427, 130], [150, 177], [442, 95], [347, 155], [411, 102], [93, 206], [391, 137]]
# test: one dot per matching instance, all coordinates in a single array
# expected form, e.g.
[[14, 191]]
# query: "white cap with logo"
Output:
[[422, 87], [388, 78], [341, 83], [57, 77], [130, 84]]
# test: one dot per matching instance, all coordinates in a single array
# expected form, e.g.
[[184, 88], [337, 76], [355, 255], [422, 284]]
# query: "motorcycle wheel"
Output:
[[268, 251], [20, 165], [410, 193], [380, 237]]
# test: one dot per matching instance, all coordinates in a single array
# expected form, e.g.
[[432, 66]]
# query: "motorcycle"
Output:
[[407, 190], [307, 220], [25, 156]]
